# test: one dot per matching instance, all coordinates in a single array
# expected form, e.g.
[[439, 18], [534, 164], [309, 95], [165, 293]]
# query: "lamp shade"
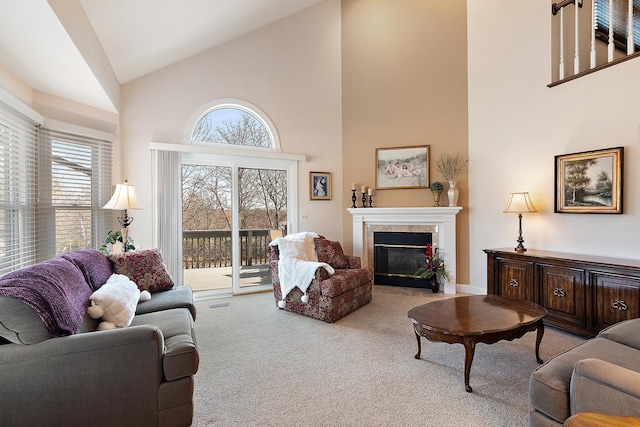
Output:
[[124, 197], [519, 203]]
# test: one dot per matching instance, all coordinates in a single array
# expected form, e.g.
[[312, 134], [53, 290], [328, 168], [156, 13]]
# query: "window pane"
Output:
[[232, 126]]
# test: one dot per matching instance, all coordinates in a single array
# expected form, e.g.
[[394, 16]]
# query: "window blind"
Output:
[[620, 19], [76, 184], [18, 189]]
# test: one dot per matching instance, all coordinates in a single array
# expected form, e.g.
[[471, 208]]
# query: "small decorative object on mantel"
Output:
[[434, 269], [450, 166], [436, 189], [353, 195]]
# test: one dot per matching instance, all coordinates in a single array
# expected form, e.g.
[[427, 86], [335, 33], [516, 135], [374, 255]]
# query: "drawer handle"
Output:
[[559, 292], [619, 305], [514, 283]]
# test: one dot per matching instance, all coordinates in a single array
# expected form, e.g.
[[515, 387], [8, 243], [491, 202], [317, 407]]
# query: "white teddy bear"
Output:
[[115, 302]]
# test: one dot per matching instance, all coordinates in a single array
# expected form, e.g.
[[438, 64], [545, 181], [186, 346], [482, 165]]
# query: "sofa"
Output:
[[601, 375], [328, 297], [58, 369]]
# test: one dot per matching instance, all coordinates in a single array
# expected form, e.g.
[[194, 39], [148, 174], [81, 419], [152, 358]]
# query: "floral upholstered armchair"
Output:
[[330, 297]]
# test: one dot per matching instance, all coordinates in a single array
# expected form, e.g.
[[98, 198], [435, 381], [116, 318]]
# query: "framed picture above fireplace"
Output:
[[589, 182], [402, 167]]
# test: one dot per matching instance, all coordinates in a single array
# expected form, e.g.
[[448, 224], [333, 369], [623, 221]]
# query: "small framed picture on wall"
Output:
[[320, 185]]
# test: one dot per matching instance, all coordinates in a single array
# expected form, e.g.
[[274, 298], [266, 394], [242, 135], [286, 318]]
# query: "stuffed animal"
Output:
[[115, 302]]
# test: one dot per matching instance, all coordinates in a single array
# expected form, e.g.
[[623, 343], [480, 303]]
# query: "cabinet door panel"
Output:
[[563, 293], [516, 279], [616, 299]]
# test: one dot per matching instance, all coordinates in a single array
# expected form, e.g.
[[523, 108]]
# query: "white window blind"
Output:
[[620, 21], [75, 184], [18, 189]]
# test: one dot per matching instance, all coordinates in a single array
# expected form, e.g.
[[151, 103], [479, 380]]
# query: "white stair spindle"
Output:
[[576, 56], [630, 42], [561, 70], [592, 62], [610, 45]]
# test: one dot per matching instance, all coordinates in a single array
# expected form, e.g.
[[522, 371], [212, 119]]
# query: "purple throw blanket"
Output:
[[55, 289]]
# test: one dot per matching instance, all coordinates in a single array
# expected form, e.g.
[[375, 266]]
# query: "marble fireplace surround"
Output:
[[440, 221]]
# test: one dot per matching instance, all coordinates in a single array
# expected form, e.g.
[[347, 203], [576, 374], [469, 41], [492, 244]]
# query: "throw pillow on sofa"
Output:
[[145, 267], [331, 252]]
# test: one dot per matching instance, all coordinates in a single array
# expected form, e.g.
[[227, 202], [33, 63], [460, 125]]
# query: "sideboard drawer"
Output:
[[563, 293], [616, 298], [516, 279]]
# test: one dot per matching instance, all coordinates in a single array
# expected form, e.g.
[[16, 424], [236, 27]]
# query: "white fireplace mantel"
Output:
[[443, 218]]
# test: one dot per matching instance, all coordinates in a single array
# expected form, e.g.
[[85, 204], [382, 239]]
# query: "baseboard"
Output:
[[468, 289]]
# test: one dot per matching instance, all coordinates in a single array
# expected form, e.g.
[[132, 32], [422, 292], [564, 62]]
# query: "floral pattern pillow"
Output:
[[331, 252], [145, 267]]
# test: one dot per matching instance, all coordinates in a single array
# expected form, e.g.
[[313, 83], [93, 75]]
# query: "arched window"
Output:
[[232, 124]]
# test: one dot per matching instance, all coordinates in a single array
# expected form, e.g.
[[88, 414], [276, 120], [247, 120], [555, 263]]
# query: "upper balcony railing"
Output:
[[212, 248], [591, 35]]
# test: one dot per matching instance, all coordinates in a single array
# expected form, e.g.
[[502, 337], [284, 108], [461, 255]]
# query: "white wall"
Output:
[[517, 125], [290, 70]]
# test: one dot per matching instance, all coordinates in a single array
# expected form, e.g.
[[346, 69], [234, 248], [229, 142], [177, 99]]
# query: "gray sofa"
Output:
[[600, 375], [51, 374]]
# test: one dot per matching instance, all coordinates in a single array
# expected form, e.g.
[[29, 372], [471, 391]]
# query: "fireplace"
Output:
[[397, 256], [440, 222]]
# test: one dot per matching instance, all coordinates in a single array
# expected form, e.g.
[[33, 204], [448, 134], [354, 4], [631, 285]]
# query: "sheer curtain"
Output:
[[168, 210]]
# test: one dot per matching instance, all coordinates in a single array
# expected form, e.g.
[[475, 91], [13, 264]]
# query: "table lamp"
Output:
[[520, 203], [124, 198]]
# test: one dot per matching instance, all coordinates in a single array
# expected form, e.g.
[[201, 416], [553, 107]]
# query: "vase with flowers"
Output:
[[434, 269], [450, 166]]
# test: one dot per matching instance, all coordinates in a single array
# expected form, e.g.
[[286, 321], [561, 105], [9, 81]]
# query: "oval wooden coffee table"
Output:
[[469, 320]]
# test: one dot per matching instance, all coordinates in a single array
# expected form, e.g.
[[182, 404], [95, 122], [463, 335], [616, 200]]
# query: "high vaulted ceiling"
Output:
[[55, 46]]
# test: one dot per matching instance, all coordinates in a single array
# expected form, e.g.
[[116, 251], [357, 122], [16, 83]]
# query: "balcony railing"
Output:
[[212, 248]]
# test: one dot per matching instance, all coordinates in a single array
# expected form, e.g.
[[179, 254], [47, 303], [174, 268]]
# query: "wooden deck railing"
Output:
[[212, 248]]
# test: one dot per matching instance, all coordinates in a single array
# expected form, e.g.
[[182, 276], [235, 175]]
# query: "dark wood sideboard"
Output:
[[583, 294]]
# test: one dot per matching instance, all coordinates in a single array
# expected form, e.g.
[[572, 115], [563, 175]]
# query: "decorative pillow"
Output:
[[298, 245], [115, 302], [145, 267], [331, 253], [94, 265]]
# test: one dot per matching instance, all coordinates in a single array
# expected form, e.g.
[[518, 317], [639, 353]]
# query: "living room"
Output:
[[340, 79]]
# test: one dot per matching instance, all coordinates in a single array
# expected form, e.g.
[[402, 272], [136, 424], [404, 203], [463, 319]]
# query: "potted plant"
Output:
[[434, 269], [112, 239], [450, 166], [436, 189]]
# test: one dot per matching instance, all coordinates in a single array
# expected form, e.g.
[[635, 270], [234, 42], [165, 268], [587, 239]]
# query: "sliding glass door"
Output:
[[230, 214]]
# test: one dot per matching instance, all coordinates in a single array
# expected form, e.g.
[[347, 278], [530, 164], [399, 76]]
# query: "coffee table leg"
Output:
[[540, 333], [419, 344], [469, 351]]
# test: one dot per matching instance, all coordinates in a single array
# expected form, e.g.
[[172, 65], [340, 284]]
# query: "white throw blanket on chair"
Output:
[[298, 263]]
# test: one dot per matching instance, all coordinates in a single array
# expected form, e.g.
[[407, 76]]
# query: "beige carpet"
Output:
[[260, 366]]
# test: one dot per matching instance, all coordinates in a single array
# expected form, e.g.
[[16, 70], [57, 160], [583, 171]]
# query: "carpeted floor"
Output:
[[260, 366]]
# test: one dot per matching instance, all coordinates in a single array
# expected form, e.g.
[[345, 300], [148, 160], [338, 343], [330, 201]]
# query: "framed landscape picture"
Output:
[[320, 185], [402, 167], [589, 182]]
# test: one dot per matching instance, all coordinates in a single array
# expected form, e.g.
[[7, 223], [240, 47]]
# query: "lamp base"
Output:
[[520, 248]]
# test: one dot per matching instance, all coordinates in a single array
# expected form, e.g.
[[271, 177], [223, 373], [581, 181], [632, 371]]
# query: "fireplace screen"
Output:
[[397, 256]]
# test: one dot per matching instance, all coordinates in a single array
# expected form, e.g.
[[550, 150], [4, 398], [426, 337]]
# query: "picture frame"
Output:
[[402, 167], [320, 185], [589, 181]]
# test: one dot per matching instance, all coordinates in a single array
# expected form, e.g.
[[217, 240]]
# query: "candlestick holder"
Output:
[[370, 201], [353, 198], [364, 199]]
